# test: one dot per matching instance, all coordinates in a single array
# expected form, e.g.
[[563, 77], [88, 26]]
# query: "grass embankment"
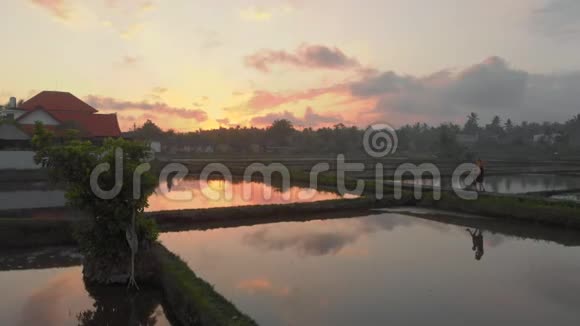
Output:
[[35, 233], [530, 209], [520, 208], [192, 300], [248, 215]]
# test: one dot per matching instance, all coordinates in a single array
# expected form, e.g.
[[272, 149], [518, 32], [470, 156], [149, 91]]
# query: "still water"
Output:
[[58, 296], [180, 194], [389, 269], [192, 193], [516, 184], [530, 183], [31, 199], [571, 197]]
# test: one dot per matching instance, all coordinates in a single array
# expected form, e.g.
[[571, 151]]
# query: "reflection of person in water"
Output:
[[477, 238]]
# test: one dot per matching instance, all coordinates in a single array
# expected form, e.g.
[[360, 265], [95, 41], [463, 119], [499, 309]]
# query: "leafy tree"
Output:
[[280, 132], [149, 131], [472, 124], [115, 230], [495, 127], [448, 145], [509, 126]]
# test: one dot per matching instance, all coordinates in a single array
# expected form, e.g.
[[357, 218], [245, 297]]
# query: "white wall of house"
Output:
[[156, 147], [40, 116], [14, 113], [17, 160], [9, 131]]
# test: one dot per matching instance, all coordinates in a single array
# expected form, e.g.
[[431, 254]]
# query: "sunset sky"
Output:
[[203, 64]]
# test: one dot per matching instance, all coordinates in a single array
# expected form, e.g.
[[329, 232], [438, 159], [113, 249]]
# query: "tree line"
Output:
[[447, 139]]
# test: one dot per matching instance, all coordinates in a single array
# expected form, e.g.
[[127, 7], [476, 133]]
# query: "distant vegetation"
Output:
[[497, 138]]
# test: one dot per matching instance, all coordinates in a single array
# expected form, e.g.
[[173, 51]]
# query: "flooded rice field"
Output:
[[523, 183], [390, 268], [515, 184], [192, 193], [30, 199], [59, 297], [186, 193], [570, 197]]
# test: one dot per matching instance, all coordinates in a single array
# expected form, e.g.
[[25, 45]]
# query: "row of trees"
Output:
[[445, 139]]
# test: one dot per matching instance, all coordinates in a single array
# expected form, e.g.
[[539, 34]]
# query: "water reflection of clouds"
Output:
[[191, 193], [295, 306], [309, 244], [566, 291], [411, 262], [47, 305], [319, 238], [262, 286], [493, 239]]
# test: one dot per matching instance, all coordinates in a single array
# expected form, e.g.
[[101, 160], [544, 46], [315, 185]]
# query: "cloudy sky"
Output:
[[203, 64]]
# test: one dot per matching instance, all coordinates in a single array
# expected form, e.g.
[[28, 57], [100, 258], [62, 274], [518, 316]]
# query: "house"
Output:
[[574, 138], [546, 139], [155, 146], [467, 139], [58, 111], [11, 111]]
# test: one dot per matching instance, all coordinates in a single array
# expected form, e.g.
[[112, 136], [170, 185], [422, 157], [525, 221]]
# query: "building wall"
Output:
[[9, 131], [40, 116], [156, 147], [14, 113], [17, 160]]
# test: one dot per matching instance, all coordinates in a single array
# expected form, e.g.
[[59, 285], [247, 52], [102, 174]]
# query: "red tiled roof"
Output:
[[101, 125], [67, 108], [90, 125], [57, 101]]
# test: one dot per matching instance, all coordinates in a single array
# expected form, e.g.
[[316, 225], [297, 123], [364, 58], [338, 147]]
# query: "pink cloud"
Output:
[[112, 104], [306, 56], [263, 100], [310, 119], [57, 8]]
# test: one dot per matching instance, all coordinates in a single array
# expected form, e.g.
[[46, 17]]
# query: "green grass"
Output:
[[193, 301], [536, 210]]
